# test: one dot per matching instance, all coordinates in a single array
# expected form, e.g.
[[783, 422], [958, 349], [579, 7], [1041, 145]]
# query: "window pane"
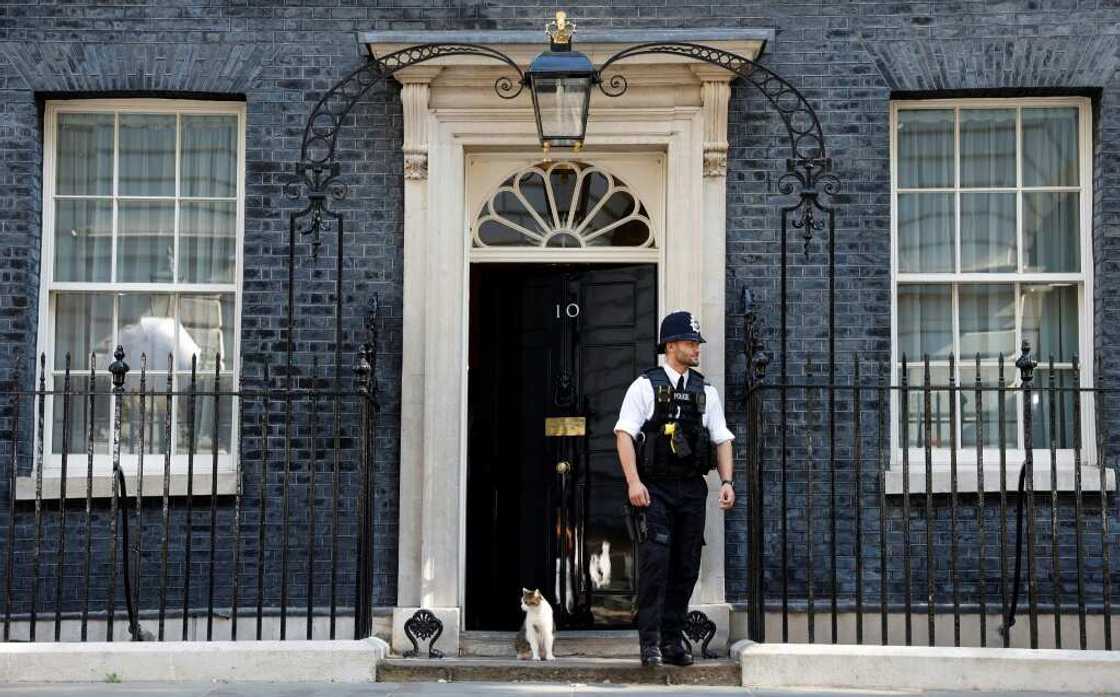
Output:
[[495, 234], [925, 148], [147, 155], [78, 431], [209, 157], [987, 147], [1051, 231], [925, 232], [153, 416], [147, 326], [988, 232], [85, 155], [83, 239], [83, 323], [207, 242], [564, 182], [1050, 147], [145, 241], [206, 328], [938, 429], [204, 406], [1050, 321], [989, 401], [632, 233], [987, 320], [1052, 409], [925, 319]]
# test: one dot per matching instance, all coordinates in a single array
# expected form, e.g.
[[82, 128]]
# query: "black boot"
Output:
[[674, 653], [651, 655]]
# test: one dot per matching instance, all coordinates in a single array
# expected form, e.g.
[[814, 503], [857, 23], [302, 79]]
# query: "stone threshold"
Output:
[[565, 670], [591, 643]]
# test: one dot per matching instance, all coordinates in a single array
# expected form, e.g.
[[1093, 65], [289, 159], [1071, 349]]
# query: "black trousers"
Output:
[[669, 559]]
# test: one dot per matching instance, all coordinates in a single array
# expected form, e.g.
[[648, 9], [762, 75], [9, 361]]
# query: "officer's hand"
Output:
[[639, 495], [726, 497]]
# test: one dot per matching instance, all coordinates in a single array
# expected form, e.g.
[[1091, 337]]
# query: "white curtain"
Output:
[[987, 147], [207, 242], [1050, 156], [145, 241], [209, 156], [988, 232], [147, 155], [85, 155]]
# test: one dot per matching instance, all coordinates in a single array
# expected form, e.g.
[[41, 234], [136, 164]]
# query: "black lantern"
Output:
[[560, 81]]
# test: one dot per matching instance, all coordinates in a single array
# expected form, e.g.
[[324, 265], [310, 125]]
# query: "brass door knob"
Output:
[[563, 466]]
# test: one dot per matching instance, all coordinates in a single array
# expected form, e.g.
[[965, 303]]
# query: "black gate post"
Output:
[[757, 360]]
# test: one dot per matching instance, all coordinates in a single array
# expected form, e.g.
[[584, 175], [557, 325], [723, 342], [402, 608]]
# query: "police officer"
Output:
[[670, 422]]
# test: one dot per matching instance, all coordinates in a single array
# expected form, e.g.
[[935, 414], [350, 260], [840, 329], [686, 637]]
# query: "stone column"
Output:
[[417, 584], [710, 595]]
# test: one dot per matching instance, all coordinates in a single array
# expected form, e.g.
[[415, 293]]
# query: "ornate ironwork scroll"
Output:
[[698, 627], [318, 171], [425, 626], [805, 133]]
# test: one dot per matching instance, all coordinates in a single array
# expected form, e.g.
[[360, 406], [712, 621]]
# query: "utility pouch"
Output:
[[706, 457], [643, 453]]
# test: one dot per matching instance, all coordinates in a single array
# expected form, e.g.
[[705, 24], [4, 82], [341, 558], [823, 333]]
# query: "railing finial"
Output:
[[1026, 363], [118, 368]]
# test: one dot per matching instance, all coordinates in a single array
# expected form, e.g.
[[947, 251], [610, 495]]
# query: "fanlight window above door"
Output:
[[564, 204]]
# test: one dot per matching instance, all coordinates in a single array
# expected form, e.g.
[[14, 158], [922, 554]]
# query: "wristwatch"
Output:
[[728, 481]]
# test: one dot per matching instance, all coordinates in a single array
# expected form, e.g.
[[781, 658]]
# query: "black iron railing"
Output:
[[261, 511], [966, 491]]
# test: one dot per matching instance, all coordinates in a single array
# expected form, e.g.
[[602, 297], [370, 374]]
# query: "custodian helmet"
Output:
[[678, 326]]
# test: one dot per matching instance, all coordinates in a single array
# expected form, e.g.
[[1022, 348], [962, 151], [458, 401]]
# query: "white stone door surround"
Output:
[[674, 107]]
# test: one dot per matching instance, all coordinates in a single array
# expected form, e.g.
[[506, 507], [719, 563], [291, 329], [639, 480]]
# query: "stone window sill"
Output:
[[227, 484], [967, 480]]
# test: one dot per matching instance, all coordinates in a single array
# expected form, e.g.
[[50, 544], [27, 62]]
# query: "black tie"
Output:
[[680, 384]]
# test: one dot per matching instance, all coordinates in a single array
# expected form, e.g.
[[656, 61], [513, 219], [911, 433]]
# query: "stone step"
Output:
[[613, 671], [591, 643]]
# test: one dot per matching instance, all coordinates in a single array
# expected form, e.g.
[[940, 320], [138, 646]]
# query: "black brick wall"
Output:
[[847, 57]]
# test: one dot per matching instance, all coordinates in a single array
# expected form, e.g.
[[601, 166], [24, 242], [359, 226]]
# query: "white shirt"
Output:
[[637, 408]]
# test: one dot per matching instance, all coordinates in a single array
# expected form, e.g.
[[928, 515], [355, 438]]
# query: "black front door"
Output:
[[552, 351]]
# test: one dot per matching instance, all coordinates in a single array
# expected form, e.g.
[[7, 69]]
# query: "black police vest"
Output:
[[674, 441]]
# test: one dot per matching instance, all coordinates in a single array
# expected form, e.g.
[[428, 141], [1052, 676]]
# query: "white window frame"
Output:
[[966, 455], [49, 289]]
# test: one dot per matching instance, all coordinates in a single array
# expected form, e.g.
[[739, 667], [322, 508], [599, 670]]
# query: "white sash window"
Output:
[[991, 244], [142, 227]]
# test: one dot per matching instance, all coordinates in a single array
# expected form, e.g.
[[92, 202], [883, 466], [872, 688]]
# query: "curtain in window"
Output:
[[85, 155], [925, 233], [987, 148], [209, 156], [925, 148], [145, 241], [207, 242], [1050, 147], [1051, 227], [147, 155]]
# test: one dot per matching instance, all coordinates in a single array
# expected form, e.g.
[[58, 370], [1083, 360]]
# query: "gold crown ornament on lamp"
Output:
[[560, 30], [560, 81]]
